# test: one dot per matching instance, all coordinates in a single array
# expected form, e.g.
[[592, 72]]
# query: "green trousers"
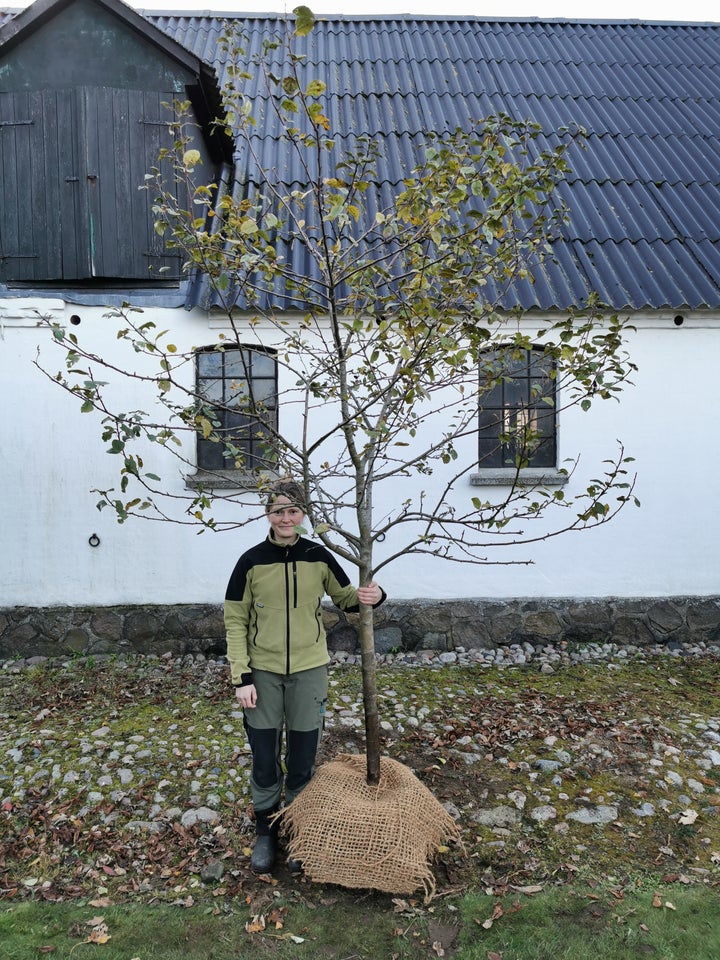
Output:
[[290, 712]]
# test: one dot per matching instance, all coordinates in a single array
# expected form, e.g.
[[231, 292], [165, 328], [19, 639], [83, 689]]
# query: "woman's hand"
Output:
[[246, 696], [370, 595]]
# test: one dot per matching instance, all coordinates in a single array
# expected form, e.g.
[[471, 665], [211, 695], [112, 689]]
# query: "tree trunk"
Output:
[[367, 634], [370, 700]]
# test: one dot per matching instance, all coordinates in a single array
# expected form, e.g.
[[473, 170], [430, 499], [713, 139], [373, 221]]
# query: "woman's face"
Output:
[[284, 517]]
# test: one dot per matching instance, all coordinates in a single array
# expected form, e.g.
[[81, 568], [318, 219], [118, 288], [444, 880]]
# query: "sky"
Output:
[[694, 10]]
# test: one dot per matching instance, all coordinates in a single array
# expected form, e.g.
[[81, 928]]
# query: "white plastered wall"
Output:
[[52, 456]]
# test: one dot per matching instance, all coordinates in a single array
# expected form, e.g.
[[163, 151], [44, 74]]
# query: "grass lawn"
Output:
[[665, 922]]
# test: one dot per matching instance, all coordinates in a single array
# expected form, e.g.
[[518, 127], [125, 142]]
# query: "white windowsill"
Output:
[[221, 480], [527, 477]]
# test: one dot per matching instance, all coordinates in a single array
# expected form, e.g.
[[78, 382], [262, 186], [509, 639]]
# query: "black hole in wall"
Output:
[[679, 320], [75, 320]]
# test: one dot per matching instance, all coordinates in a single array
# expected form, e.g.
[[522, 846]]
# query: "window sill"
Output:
[[221, 480], [527, 477]]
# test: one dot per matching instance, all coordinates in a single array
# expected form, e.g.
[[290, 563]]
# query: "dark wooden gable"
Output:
[[84, 113]]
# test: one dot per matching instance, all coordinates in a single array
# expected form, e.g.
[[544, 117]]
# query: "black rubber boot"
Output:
[[265, 849], [264, 853]]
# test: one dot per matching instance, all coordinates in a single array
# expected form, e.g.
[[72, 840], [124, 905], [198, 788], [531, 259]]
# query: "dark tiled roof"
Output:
[[645, 193]]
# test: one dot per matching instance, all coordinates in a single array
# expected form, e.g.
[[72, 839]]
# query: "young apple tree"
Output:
[[385, 312]]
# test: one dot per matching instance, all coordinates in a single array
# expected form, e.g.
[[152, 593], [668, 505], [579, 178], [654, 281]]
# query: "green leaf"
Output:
[[315, 88], [304, 21]]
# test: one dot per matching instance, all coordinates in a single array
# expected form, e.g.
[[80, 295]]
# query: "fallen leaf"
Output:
[[94, 921], [99, 934], [438, 948], [535, 888], [256, 925], [656, 901], [277, 916], [496, 914], [48, 948], [670, 906], [494, 956], [644, 928]]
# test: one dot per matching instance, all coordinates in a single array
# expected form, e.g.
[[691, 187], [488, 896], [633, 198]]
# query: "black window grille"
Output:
[[238, 400], [517, 418]]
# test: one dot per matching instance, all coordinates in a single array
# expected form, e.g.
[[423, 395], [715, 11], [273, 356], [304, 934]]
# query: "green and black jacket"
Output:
[[273, 607]]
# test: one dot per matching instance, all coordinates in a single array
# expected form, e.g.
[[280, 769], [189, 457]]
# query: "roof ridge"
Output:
[[420, 18]]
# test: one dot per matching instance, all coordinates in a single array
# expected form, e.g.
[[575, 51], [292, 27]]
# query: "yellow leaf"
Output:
[[98, 937], [191, 158], [256, 925]]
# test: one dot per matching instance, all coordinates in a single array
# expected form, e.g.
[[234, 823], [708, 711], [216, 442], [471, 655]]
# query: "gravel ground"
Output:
[[148, 746]]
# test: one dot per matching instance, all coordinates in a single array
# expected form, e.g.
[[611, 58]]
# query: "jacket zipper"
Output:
[[287, 613]]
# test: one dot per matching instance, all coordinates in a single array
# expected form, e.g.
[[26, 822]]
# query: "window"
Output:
[[517, 410], [240, 389]]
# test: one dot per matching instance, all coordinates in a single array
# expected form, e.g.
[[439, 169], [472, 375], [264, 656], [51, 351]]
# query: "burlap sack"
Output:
[[381, 837]]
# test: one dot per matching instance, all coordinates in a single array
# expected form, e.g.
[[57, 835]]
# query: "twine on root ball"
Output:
[[379, 837]]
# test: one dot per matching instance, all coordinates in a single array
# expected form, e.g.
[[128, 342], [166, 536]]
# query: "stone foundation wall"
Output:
[[399, 626]]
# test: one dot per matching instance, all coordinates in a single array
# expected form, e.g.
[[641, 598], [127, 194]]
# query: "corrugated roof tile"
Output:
[[644, 196]]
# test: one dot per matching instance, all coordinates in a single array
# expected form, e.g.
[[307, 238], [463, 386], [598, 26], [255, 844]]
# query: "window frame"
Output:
[[227, 385], [526, 390]]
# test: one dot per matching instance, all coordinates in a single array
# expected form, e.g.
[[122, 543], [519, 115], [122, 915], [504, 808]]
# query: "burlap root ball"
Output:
[[368, 837]]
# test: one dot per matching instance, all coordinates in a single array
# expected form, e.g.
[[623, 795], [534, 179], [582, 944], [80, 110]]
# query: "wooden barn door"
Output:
[[72, 168]]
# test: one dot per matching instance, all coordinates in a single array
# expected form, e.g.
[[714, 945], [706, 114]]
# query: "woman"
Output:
[[278, 655]]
